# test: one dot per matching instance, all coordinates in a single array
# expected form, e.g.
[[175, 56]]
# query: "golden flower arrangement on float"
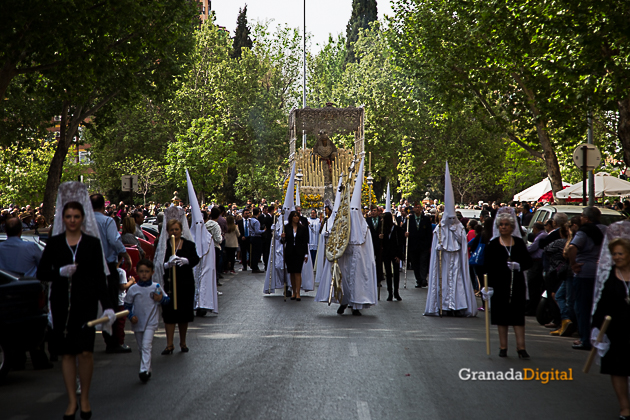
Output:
[[316, 200]]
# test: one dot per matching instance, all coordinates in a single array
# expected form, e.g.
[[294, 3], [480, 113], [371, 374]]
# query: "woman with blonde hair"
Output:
[[612, 298], [231, 243]]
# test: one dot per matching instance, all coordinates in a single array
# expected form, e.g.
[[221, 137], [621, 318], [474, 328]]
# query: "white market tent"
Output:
[[606, 185], [534, 192]]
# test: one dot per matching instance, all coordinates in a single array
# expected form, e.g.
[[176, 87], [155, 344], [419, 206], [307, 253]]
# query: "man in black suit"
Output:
[[420, 238], [374, 222], [303, 220], [266, 220], [243, 228], [255, 238]]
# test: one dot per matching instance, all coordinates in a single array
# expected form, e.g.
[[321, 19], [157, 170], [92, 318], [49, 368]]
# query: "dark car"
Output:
[[23, 318]]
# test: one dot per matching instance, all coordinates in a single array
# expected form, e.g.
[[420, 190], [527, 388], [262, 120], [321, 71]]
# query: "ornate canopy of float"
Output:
[[319, 167]]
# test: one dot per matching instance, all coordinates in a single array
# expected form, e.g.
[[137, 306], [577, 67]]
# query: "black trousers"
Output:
[[392, 269], [379, 267], [266, 247], [420, 264], [244, 244], [535, 286], [230, 254], [256, 242]]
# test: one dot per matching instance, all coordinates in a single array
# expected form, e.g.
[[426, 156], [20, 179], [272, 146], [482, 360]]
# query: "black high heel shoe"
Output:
[[86, 415], [522, 354], [503, 353], [71, 416], [168, 350], [184, 349]]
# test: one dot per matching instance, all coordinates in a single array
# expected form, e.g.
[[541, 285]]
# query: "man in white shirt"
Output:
[[313, 228]]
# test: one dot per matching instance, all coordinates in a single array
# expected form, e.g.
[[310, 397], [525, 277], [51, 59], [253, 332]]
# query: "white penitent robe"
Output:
[[457, 290], [322, 263], [276, 276], [358, 272]]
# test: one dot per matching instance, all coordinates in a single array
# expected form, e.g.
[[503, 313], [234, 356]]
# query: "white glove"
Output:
[[487, 294], [171, 261], [67, 270], [602, 348], [514, 266], [107, 327], [181, 261]]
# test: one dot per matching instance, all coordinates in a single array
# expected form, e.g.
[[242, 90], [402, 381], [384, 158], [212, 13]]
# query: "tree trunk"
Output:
[[55, 170], [551, 160], [7, 73], [623, 130]]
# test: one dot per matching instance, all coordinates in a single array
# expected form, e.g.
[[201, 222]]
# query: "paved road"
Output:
[[263, 358]]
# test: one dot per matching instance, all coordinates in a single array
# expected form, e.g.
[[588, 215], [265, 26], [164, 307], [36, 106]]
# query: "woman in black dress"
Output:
[[183, 262], [392, 240], [73, 263], [615, 301], [505, 260], [295, 237]]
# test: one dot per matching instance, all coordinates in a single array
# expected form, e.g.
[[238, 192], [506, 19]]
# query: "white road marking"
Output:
[[354, 352], [50, 397], [363, 411]]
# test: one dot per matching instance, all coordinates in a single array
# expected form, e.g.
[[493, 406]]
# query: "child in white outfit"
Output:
[[143, 300]]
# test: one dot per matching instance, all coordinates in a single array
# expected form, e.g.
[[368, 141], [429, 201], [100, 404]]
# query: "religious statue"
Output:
[[326, 151]]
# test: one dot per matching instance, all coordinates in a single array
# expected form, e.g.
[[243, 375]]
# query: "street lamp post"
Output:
[[304, 78]]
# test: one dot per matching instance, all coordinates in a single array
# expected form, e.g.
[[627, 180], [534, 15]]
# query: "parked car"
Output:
[[30, 236], [470, 214], [23, 318]]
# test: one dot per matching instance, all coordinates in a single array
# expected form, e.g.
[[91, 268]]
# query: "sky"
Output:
[[323, 17]]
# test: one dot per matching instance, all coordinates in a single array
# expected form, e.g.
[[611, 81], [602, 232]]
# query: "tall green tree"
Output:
[[325, 70], [484, 54], [100, 51], [364, 12], [242, 34]]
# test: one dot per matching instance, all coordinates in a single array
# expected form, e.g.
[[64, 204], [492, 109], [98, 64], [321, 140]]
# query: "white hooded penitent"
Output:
[[205, 271], [450, 287]]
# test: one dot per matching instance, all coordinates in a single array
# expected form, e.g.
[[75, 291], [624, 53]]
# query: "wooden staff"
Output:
[[406, 250], [106, 319], [600, 337], [174, 272], [487, 311]]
